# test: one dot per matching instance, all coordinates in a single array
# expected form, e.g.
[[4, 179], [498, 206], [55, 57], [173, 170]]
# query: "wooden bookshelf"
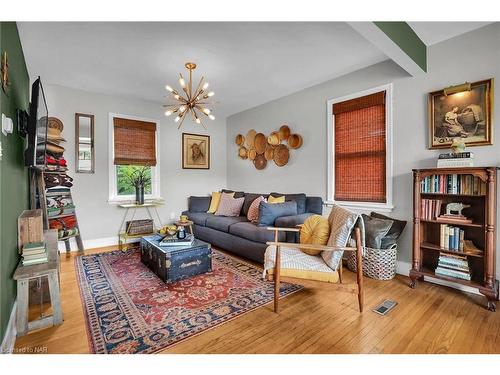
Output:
[[482, 230]]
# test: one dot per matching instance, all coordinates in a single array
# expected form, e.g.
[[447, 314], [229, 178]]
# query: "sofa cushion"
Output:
[[300, 198], [229, 206], [223, 223], [237, 194], [269, 212], [252, 232], [314, 205], [199, 204], [249, 198], [199, 218]]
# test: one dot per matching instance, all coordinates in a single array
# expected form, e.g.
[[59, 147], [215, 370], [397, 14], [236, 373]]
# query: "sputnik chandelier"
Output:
[[195, 102]]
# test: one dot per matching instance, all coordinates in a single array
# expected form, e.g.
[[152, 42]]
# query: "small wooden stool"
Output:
[[187, 223], [24, 274]]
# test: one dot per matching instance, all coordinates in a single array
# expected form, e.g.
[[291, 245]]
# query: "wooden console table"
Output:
[[123, 236], [24, 274]]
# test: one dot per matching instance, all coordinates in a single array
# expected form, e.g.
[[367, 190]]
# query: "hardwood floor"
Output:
[[318, 319]]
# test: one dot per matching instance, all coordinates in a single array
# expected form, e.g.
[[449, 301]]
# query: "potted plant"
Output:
[[138, 178]]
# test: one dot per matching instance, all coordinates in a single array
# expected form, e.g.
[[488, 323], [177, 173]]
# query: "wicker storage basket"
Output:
[[136, 227], [378, 264]]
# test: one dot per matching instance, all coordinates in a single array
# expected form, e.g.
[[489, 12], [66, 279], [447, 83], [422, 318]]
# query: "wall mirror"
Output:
[[84, 143]]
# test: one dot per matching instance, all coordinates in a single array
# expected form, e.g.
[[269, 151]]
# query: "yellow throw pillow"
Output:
[[272, 199], [314, 231], [214, 203]]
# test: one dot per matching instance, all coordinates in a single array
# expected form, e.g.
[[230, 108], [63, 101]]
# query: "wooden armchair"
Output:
[[351, 288]]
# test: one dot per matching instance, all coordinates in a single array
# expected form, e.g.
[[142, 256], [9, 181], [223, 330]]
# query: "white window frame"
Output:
[[114, 198], [362, 206]]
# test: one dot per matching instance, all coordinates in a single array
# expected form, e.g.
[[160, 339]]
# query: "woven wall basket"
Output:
[[379, 264], [260, 143]]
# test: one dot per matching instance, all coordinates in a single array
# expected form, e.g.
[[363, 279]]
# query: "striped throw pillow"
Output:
[[253, 210], [229, 206]]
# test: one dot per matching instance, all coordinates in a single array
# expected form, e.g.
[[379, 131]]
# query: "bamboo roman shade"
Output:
[[134, 142], [360, 149]]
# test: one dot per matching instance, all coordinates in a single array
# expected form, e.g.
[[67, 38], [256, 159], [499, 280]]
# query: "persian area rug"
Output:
[[128, 309]]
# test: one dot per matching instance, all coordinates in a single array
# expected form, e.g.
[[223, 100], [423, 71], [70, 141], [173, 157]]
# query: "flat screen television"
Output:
[[34, 156]]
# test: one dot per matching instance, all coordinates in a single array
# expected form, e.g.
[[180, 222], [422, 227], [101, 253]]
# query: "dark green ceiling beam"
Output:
[[403, 35]]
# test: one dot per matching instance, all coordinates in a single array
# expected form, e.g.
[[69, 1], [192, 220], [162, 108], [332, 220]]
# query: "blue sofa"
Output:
[[237, 234]]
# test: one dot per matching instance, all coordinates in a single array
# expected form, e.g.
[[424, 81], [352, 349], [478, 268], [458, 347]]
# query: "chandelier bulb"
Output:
[[211, 117], [182, 83], [177, 96], [169, 88], [182, 108], [205, 86], [168, 113], [211, 93], [198, 121], [206, 111], [177, 119]]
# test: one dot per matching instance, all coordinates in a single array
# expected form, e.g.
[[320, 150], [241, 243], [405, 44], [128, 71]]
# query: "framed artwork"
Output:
[[465, 114], [195, 151]]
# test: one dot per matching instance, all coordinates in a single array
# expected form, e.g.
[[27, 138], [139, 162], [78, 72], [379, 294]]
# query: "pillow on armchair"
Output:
[[394, 233]]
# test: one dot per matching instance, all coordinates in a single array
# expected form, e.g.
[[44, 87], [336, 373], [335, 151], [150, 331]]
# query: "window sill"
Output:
[[363, 206], [122, 200]]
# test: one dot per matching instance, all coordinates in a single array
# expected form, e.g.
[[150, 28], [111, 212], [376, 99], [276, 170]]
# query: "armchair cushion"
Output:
[[342, 223], [296, 264]]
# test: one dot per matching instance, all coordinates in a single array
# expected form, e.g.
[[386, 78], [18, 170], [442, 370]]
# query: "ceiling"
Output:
[[247, 64], [435, 32]]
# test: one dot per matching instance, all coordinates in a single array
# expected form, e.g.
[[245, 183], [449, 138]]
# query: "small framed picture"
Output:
[[466, 114], [195, 151]]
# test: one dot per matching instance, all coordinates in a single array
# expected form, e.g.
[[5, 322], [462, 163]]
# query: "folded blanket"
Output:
[[67, 233], [63, 223]]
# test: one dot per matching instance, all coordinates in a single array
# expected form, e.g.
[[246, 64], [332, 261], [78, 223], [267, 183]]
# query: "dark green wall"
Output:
[[13, 180], [403, 35]]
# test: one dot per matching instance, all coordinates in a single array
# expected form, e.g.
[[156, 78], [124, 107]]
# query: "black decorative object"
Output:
[[139, 194], [181, 233]]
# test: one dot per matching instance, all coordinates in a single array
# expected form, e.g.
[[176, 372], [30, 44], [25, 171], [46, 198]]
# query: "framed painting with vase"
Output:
[[463, 111]]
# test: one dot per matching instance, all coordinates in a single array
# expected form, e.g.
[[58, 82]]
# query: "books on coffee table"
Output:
[[174, 241]]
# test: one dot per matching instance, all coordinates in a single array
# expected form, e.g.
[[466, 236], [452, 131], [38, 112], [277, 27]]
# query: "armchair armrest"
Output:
[[278, 229], [310, 246]]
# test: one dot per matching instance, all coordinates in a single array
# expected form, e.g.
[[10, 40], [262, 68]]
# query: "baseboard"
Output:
[[93, 243], [9, 339], [403, 268]]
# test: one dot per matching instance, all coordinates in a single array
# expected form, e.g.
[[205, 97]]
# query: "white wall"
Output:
[[470, 57], [97, 218]]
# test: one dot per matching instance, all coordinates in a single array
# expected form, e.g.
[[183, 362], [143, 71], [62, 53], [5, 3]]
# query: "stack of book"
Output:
[[453, 184], [451, 265], [459, 160], [174, 241], [431, 208], [34, 253], [451, 238]]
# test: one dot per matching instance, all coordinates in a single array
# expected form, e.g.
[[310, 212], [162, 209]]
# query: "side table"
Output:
[[24, 274], [187, 223]]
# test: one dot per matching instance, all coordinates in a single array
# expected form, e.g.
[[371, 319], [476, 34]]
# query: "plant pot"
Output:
[[139, 194]]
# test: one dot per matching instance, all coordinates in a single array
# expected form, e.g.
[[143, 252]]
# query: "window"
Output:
[[360, 150], [133, 149]]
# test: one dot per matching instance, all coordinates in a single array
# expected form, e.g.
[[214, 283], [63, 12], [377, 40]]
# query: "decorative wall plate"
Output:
[[240, 140], [243, 153], [260, 143], [281, 155], [295, 141], [284, 132], [249, 139], [260, 162]]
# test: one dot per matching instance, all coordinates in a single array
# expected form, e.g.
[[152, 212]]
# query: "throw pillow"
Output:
[[342, 222], [249, 198], [300, 198], [375, 230], [269, 212], [198, 204], [314, 231], [229, 206], [237, 194], [273, 200], [253, 210], [394, 233], [214, 203]]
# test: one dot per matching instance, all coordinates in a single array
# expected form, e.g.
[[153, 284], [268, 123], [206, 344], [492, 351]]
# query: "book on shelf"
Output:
[[451, 238], [455, 163], [451, 265], [431, 208], [459, 155], [174, 241], [453, 184]]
